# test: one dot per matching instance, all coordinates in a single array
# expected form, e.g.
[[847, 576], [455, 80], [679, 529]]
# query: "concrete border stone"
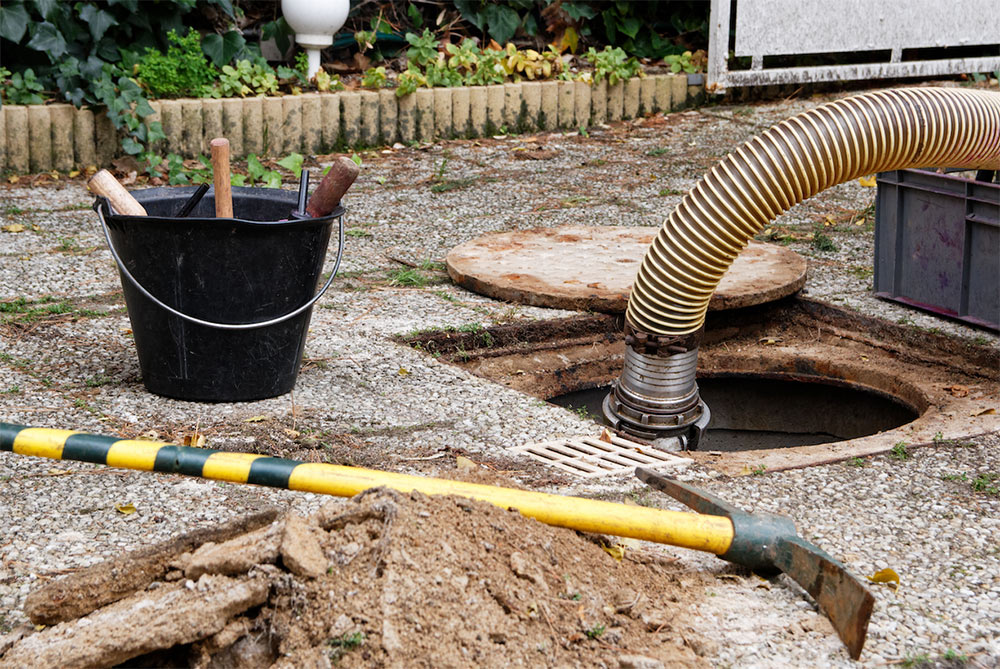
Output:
[[39, 138], [312, 123], [477, 110], [388, 114], [17, 137], [84, 145], [212, 125], [443, 128], [630, 98], [62, 137], [425, 114], [274, 123], [232, 125], [531, 94], [3, 141], [291, 126], [549, 115], [647, 96], [331, 120], [495, 99], [369, 118], [567, 103], [253, 126], [460, 108], [192, 128], [106, 138], [350, 114], [512, 102], [599, 102], [581, 104], [407, 118], [616, 101]]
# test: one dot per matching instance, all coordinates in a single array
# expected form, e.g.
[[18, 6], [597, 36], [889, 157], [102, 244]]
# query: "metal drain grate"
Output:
[[590, 457]]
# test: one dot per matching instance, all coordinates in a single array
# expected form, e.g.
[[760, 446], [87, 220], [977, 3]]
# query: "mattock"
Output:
[[760, 541], [768, 543]]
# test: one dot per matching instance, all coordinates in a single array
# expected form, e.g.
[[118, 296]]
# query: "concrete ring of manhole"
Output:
[[791, 384], [587, 268]]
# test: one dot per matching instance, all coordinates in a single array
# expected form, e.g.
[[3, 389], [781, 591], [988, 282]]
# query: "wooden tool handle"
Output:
[[220, 173], [342, 174], [104, 184]]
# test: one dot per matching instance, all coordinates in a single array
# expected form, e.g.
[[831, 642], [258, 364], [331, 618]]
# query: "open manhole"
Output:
[[754, 412], [790, 383]]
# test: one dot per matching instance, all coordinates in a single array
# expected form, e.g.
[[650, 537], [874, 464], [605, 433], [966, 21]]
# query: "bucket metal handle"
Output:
[[211, 324]]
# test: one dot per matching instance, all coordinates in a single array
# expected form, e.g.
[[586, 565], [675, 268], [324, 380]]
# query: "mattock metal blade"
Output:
[[768, 543]]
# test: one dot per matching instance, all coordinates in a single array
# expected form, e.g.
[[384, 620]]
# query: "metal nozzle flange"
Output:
[[656, 396]]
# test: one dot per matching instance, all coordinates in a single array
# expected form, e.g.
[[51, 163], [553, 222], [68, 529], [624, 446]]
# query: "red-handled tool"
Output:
[[327, 196]]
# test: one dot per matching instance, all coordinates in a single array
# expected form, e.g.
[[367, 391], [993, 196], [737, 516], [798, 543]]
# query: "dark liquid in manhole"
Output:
[[753, 413]]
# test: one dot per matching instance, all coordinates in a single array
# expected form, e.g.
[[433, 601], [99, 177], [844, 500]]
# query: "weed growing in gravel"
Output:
[[452, 184], [447, 297], [98, 380], [664, 192], [595, 632], [954, 477], [899, 452], [657, 151], [913, 661], [955, 656], [357, 232], [857, 462], [759, 470], [13, 390], [987, 483], [410, 278], [821, 242]]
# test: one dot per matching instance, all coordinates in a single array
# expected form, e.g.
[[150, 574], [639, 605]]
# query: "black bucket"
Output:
[[219, 306]]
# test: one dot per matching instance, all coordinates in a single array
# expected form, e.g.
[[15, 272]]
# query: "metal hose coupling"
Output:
[[656, 397]]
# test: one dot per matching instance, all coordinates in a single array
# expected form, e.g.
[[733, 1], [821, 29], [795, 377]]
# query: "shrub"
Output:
[[182, 71]]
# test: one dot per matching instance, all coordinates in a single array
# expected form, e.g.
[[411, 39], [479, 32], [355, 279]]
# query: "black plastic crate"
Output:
[[937, 244]]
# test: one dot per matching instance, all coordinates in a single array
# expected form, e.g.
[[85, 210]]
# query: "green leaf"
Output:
[[272, 179], [226, 5], [630, 26], [131, 146], [416, 18], [13, 22], [292, 163], [220, 49], [579, 10], [502, 22], [98, 21], [46, 38], [279, 31], [46, 7]]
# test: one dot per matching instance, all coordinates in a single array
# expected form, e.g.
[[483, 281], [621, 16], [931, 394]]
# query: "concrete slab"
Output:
[[589, 268]]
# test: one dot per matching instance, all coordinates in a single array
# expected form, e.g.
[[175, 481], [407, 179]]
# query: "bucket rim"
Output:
[[113, 217]]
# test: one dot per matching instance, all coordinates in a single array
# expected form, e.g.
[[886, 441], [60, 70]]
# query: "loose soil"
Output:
[[377, 580]]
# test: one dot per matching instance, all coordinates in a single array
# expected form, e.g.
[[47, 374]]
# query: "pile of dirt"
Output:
[[382, 579]]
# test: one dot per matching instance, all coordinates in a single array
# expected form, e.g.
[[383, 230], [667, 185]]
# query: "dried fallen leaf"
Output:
[[13, 179], [617, 551], [867, 182], [606, 436], [74, 173], [256, 419], [403, 371], [125, 509], [984, 412], [196, 439], [463, 462], [957, 390], [769, 341], [294, 434], [885, 576], [13, 227], [59, 472]]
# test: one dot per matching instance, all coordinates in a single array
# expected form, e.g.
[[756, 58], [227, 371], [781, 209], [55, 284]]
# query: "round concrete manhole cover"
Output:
[[592, 268]]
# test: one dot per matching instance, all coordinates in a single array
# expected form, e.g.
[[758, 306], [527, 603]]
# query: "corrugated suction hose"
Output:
[[806, 154]]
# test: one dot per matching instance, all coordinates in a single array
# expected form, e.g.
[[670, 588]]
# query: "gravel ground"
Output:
[[364, 400]]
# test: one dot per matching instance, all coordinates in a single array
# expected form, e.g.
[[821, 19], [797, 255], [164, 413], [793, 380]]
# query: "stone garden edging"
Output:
[[40, 138]]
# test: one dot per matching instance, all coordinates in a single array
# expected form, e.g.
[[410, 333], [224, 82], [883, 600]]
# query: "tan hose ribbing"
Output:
[[794, 160]]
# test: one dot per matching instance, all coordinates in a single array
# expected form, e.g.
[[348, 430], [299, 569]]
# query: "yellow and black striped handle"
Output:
[[709, 533]]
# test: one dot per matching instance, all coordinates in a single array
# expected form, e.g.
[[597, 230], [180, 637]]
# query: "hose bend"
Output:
[[792, 161]]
